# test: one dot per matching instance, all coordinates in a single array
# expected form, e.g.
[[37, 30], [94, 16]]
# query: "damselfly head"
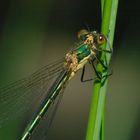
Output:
[[92, 37]]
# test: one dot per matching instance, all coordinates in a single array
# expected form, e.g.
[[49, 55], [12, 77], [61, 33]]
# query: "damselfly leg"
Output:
[[99, 76], [82, 76]]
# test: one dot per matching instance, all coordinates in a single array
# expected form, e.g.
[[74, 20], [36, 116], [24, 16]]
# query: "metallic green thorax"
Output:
[[82, 52]]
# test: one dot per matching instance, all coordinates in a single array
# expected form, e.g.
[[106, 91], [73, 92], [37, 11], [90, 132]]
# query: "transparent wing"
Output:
[[24, 95]]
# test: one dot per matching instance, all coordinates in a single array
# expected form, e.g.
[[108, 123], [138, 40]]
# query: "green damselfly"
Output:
[[28, 90]]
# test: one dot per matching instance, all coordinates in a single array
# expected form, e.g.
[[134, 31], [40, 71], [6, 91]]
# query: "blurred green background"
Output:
[[35, 33]]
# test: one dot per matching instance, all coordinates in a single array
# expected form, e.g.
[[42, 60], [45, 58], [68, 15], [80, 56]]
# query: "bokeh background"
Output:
[[35, 33]]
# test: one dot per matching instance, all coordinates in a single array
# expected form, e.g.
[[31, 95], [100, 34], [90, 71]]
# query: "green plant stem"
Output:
[[103, 90], [103, 114], [102, 6], [96, 115]]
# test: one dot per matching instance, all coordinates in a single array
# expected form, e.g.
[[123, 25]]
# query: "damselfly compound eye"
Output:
[[101, 39], [82, 34]]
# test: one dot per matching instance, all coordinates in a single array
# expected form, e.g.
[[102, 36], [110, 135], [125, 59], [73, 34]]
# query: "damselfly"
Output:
[[36, 85]]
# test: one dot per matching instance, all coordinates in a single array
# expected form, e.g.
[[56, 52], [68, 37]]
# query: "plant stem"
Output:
[[96, 116], [103, 90], [102, 6]]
